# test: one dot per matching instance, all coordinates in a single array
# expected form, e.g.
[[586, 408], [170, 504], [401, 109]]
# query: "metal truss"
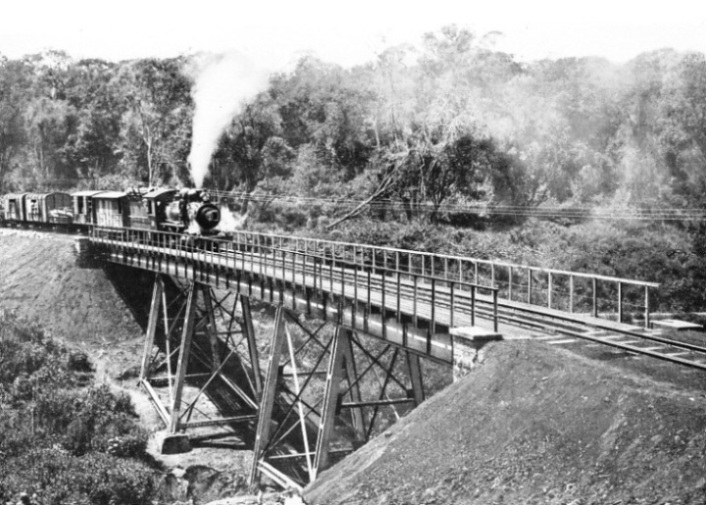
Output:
[[200, 365], [325, 395], [324, 391]]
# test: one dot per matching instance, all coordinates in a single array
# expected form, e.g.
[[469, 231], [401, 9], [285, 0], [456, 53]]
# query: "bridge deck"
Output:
[[414, 306]]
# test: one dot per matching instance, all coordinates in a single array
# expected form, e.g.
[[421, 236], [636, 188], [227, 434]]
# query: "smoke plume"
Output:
[[222, 84]]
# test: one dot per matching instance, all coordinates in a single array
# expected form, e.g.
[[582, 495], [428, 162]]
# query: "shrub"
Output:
[[99, 479], [67, 445]]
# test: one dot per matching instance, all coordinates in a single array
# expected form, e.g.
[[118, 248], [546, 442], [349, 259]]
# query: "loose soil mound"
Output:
[[535, 424]]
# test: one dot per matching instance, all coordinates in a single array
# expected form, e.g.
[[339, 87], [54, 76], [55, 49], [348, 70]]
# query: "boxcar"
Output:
[[15, 207], [43, 207], [111, 209], [83, 206], [137, 217]]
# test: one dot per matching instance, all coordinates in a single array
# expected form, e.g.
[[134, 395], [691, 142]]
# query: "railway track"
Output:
[[629, 338], [633, 340]]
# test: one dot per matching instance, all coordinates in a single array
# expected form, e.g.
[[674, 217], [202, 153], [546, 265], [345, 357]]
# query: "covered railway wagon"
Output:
[[37, 208], [84, 209], [111, 210], [14, 207], [48, 208]]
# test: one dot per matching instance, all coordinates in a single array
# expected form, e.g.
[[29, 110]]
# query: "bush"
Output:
[[99, 479], [24, 348], [99, 418], [67, 445]]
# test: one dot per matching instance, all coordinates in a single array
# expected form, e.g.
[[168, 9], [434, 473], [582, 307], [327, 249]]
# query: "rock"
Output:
[[173, 443]]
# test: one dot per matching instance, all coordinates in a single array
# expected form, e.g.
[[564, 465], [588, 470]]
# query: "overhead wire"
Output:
[[574, 212]]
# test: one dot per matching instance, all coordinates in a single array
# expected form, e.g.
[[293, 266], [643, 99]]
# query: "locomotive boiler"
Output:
[[193, 213]]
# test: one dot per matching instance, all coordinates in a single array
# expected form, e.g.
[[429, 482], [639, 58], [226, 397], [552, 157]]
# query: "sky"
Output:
[[277, 33]]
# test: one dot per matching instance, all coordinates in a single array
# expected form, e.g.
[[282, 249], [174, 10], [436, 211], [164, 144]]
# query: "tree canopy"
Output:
[[451, 122]]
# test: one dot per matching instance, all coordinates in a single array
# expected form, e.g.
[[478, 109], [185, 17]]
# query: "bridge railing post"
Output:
[[414, 300], [452, 306], [473, 305], [549, 290], [495, 311], [529, 286], [383, 307], [509, 282], [433, 305]]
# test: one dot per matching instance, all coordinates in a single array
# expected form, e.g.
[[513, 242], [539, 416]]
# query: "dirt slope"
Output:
[[535, 424], [39, 280]]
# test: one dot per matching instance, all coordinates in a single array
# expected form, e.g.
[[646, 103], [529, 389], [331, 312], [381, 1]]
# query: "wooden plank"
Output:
[[562, 342], [676, 324]]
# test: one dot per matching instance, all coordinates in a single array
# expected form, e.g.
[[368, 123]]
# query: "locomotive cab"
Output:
[[155, 203]]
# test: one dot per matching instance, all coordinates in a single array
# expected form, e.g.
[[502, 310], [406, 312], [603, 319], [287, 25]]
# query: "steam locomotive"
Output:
[[187, 211]]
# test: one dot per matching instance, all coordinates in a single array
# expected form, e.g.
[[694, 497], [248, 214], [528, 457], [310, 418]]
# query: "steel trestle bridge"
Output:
[[299, 389]]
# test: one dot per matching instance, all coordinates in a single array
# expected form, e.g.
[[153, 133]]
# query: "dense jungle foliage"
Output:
[[414, 137], [454, 121], [64, 438]]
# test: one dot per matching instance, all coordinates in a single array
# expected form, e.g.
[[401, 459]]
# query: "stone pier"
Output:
[[467, 344]]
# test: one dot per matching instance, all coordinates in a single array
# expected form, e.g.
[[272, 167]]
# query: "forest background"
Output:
[[576, 163]]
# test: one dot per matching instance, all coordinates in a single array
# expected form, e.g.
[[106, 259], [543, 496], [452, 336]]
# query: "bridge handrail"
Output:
[[447, 289], [609, 278], [618, 282], [459, 268], [377, 268]]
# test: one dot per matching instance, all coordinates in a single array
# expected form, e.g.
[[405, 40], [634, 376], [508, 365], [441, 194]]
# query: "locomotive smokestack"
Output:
[[208, 216]]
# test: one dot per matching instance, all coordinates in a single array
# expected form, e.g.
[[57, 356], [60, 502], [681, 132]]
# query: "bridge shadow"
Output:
[[134, 287]]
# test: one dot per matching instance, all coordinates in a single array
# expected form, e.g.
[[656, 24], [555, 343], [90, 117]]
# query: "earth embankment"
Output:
[[535, 424], [41, 283]]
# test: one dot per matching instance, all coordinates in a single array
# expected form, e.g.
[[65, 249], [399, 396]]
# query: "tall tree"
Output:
[[15, 79], [157, 109]]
